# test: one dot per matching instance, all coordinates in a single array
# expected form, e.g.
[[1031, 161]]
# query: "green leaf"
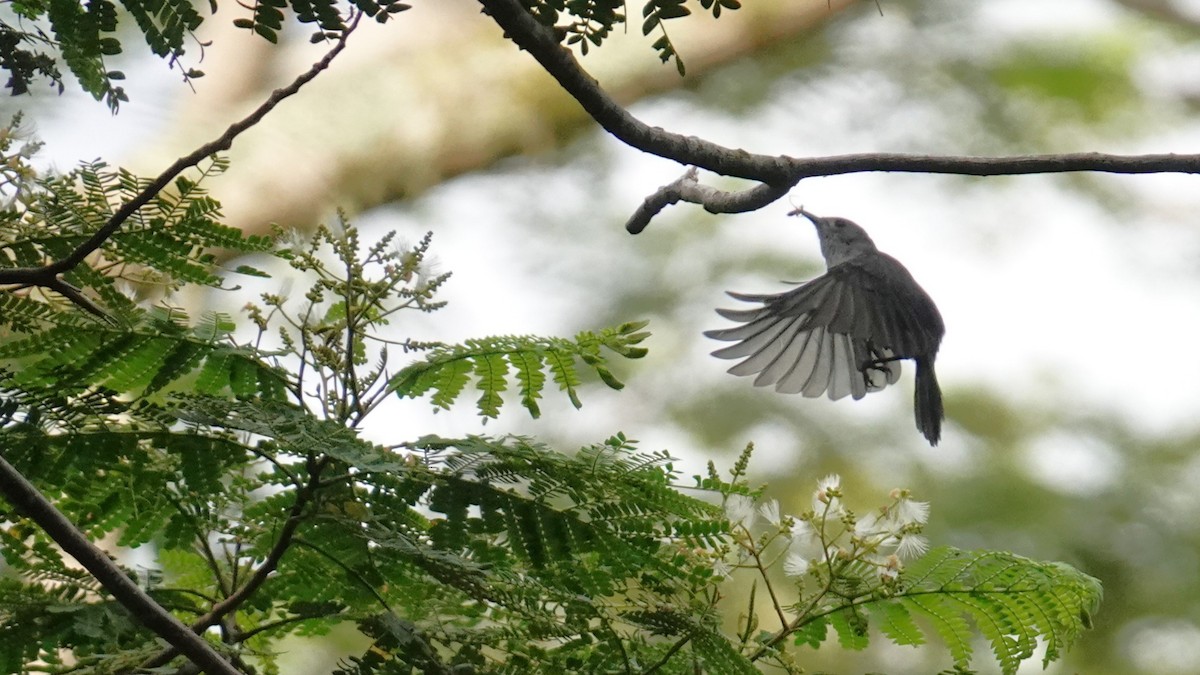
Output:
[[896, 622], [851, 629], [812, 632], [491, 370], [949, 624], [447, 369]]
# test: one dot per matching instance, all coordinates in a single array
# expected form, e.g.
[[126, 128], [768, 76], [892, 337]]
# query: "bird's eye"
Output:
[[840, 224]]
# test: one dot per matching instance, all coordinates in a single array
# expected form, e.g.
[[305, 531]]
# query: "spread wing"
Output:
[[842, 333]]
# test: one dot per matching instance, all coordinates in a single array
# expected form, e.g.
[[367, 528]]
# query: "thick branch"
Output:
[[1165, 10], [779, 173], [542, 43], [27, 500], [995, 166], [46, 276]]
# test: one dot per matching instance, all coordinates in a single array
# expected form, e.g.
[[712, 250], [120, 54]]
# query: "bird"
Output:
[[844, 332]]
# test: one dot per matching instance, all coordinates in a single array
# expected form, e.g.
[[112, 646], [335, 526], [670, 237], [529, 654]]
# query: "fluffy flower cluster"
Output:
[[882, 539]]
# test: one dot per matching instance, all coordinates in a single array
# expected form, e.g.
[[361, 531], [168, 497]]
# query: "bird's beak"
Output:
[[801, 212]]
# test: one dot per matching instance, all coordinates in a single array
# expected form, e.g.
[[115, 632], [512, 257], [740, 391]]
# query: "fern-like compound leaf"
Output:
[[489, 363], [1013, 602]]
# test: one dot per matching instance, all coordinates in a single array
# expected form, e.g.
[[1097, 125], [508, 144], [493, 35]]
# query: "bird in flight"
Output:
[[843, 333]]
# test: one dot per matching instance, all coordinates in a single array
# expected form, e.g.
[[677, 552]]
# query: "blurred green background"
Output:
[[1072, 302]]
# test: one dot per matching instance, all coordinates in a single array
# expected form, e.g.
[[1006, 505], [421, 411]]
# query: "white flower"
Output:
[[823, 499], [890, 570], [910, 511], [887, 540], [721, 568], [803, 547], [295, 241], [866, 526], [739, 509], [803, 534], [795, 564], [770, 511], [911, 546], [831, 481], [126, 289]]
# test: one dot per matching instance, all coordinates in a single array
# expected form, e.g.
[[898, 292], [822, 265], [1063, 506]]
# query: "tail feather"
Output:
[[928, 401]]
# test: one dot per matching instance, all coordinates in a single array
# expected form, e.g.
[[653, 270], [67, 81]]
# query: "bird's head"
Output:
[[841, 239]]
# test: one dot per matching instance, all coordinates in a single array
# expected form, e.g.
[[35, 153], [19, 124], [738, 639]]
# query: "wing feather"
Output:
[[742, 315], [845, 373], [785, 359], [800, 370], [754, 338], [841, 334], [746, 331], [818, 379], [765, 356]]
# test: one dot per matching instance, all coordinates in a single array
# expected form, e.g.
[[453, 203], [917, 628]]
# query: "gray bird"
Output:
[[844, 332]]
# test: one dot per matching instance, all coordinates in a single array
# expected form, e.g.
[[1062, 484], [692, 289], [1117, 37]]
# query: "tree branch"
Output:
[[46, 276], [282, 543], [542, 43], [686, 188], [24, 496], [1164, 10], [776, 173], [27, 500]]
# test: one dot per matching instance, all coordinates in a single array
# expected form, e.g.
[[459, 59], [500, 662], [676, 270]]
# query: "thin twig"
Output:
[[667, 656], [205, 549], [272, 625], [688, 189], [367, 586], [47, 275], [803, 615], [282, 543], [762, 570]]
